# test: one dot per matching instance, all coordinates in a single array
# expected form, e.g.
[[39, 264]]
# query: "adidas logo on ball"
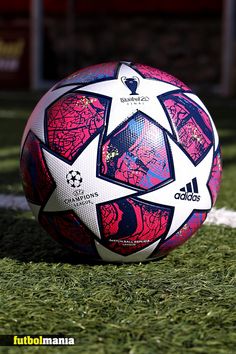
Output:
[[190, 192]]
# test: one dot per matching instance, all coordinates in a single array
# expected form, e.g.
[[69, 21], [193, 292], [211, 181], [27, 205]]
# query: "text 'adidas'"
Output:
[[190, 192]]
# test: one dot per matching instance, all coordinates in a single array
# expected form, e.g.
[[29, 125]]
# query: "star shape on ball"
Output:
[[188, 192], [129, 93], [92, 191]]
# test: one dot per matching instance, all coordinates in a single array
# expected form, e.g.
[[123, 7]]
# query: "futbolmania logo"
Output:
[[32, 340]]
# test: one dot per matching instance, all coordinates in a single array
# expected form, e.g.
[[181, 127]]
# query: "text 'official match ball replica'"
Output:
[[120, 162]]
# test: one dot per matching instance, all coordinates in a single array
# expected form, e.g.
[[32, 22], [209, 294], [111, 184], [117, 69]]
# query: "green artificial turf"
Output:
[[11, 130], [15, 108], [223, 113], [182, 304]]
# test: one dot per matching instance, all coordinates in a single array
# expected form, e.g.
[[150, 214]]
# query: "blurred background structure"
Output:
[[42, 41]]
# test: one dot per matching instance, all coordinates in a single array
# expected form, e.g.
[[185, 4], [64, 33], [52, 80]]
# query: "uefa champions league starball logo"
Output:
[[74, 179]]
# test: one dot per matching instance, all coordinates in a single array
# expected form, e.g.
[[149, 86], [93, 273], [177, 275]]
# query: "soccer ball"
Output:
[[120, 162]]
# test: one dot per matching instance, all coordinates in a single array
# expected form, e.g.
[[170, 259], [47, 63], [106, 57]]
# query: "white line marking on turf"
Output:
[[15, 202], [221, 216], [215, 217]]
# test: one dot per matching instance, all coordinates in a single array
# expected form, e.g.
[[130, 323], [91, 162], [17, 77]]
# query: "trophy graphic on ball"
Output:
[[132, 83]]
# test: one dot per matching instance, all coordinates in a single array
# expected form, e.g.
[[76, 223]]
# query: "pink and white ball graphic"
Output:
[[120, 162]]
